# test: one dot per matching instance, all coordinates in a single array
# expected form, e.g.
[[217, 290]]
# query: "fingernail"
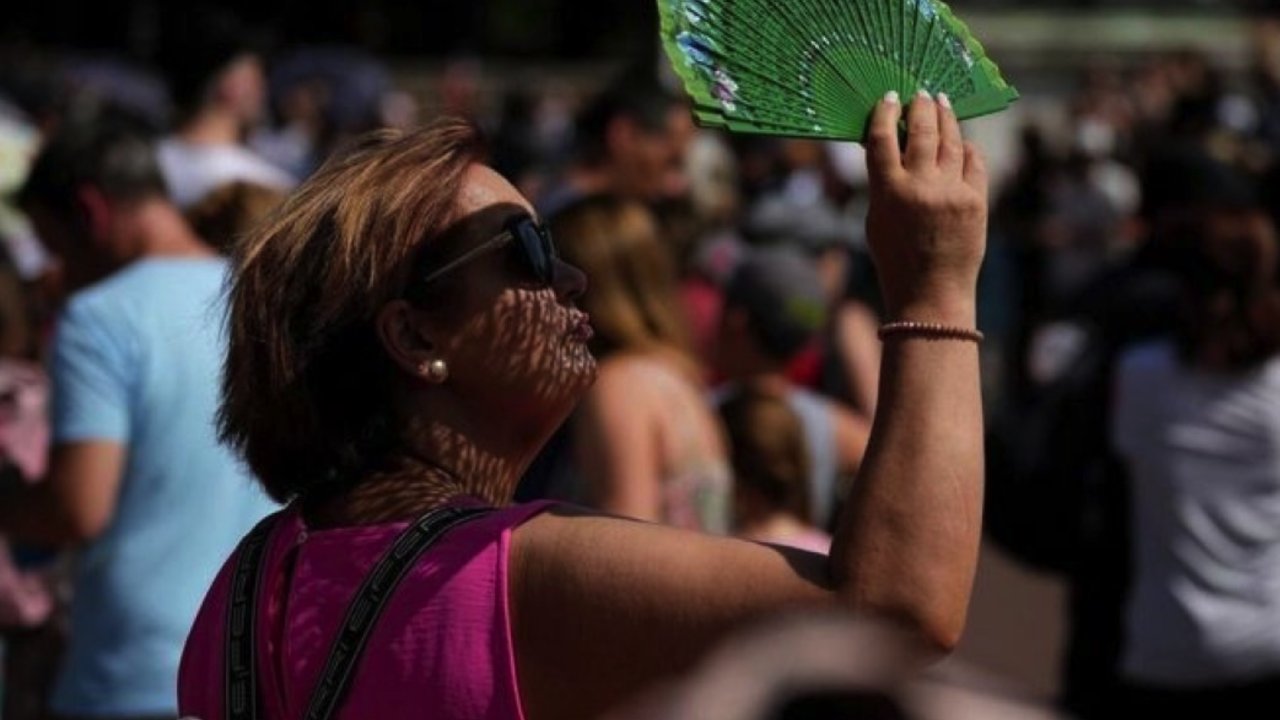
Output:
[[892, 98], [944, 101], [923, 95]]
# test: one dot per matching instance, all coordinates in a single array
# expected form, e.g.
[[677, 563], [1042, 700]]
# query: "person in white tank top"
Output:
[[1197, 420]]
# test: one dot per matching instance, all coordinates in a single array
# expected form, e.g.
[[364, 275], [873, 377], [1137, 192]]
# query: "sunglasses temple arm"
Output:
[[468, 256]]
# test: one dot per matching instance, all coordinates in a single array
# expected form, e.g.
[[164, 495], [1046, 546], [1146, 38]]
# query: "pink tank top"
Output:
[[442, 649]]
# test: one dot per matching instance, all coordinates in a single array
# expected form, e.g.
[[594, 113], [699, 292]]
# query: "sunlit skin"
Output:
[[517, 359]]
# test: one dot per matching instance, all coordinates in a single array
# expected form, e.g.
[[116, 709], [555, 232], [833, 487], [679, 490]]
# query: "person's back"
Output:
[[1197, 420], [1204, 453], [688, 451], [136, 361]]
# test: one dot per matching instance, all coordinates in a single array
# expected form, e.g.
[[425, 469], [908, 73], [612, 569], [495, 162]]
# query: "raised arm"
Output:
[[908, 542], [602, 608]]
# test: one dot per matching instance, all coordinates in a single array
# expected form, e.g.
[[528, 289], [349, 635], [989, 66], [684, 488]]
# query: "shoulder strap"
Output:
[[242, 702], [240, 655], [372, 598]]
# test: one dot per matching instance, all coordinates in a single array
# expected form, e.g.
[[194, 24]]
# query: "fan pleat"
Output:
[[817, 68]]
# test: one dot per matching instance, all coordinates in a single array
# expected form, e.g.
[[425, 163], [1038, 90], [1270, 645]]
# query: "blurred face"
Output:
[[511, 341], [243, 88], [652, 164]]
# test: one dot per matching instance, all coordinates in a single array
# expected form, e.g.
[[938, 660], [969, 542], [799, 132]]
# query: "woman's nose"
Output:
[[569, 282]]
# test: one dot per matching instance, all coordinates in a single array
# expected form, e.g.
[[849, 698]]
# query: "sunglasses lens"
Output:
[[538, 250], [548, 252]]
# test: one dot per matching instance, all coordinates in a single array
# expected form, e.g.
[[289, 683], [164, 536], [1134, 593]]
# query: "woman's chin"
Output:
[[582, 368]]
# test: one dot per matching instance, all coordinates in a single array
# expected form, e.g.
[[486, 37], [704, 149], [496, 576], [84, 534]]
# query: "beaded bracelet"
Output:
[[929, 331]]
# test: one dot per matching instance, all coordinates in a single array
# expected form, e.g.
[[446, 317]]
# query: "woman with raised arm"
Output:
[[403, 340]]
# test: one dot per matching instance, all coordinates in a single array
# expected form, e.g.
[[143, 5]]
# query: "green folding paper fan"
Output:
[[817, 68]]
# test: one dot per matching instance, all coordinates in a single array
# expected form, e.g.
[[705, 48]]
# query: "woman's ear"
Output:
[[407, 338]]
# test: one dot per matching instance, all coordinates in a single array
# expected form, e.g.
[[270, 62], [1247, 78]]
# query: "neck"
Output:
[[212, 126], [163, 232], [443, 462]]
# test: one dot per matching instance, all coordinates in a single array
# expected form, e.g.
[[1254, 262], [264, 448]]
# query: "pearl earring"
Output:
[[437, 371]]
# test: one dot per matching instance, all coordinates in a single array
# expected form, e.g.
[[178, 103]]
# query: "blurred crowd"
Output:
[[1130, 305]]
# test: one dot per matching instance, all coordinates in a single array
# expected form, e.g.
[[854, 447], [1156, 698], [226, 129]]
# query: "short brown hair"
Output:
[[307, 386]]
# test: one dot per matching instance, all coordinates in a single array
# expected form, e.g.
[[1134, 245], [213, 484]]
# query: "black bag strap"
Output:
[[357, 626], [240, 655]]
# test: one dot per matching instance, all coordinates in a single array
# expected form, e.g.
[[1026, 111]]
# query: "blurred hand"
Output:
[[927, 223]]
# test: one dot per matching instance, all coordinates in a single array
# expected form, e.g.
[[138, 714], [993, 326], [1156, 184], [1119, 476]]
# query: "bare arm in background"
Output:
[[73, 505]]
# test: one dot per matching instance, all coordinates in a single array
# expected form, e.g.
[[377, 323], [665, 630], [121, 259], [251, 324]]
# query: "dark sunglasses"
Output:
[[533, 239]]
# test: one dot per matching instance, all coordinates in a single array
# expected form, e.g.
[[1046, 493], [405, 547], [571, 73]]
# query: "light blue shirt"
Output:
[[137, 360]]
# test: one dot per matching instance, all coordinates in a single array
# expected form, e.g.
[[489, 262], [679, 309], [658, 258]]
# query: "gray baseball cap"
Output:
[[780, 290]]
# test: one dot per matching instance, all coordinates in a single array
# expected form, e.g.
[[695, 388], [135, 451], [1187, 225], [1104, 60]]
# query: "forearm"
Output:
[[907, 543]]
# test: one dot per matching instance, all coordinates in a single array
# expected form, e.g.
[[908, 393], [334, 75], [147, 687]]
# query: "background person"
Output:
[[770, 471], [220, 89], [632, 140], [137, 483], [775, 309], [1197, 423]]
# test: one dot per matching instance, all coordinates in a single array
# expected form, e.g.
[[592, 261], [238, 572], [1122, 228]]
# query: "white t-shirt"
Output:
[[1204, 456], [192, 170]]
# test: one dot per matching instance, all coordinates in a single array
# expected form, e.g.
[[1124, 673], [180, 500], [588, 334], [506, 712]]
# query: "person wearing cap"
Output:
[[775, 308], [845, 363], [219, 87]]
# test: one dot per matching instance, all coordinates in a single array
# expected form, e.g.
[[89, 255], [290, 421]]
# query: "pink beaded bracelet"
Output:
[[929, 331]]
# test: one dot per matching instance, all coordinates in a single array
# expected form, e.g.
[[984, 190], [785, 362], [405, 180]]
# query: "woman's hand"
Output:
[[927, 224]]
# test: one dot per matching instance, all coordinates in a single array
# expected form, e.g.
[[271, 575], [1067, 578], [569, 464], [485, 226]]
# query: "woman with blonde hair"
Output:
[[645, 443], [403, 340]]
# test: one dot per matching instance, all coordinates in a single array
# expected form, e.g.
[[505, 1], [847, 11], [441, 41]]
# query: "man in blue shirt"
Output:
[[138, 483]]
